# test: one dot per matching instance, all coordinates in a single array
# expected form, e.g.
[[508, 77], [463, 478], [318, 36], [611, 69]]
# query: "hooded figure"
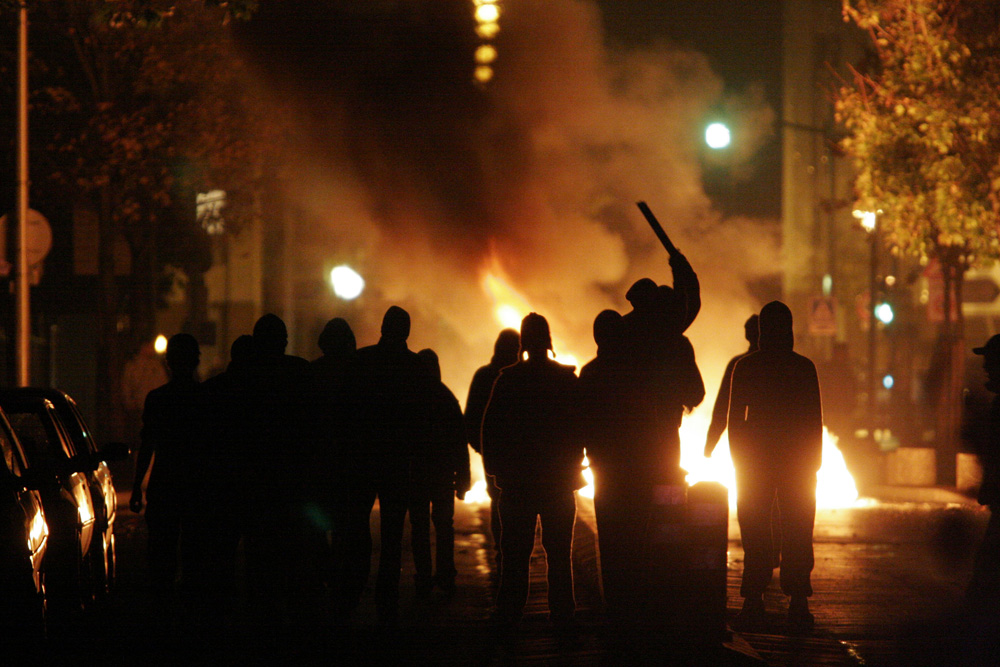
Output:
[[440, 473], [776, 441], [505, 352]]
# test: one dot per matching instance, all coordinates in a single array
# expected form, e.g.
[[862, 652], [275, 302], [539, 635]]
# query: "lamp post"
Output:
[[869, 222], [23, 308]]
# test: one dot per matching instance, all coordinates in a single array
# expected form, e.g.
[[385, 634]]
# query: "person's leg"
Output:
[[753, 509], [494, 493], [558, 514], [797, 499], [392, 516], [622, 512], [164, 526], [443, 515], [420, 540], [518, 517]]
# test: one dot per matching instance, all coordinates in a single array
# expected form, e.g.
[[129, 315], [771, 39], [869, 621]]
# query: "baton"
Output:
[[657, 228]]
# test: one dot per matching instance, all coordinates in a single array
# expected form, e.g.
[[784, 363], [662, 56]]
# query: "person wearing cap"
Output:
[[531, 448], [776, 442], [983, 591]]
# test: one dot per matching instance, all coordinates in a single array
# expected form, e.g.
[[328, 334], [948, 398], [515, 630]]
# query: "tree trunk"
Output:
[[950, 423]]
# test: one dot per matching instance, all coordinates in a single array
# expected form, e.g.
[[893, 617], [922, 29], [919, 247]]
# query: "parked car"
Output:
[[23, 541], [102, 488], [61, 477]]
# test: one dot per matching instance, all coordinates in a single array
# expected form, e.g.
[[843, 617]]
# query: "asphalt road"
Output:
[[889, 590]]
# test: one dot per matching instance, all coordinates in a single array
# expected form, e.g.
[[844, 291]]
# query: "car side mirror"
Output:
[[114, 451]]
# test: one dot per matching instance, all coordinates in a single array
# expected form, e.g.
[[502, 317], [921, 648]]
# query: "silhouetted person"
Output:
[[440, 473], [532, 447], [222, 518], [720, 417], [278, 426], [393, 394], [505, 351], [720, 412], [344, 497], [776, 441], [170, 430], [620, 505], [665, 380], [984, 587]]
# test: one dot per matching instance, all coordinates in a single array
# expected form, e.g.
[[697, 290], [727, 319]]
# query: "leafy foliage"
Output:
[[924, 131]]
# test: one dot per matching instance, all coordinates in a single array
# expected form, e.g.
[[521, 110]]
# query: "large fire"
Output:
[[835, 485]]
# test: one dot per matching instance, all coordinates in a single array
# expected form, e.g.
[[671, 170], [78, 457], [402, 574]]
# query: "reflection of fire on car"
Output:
[[102, 489], [23, 541], [75, 566]]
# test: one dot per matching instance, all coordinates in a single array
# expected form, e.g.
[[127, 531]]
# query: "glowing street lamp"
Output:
[[717, 136], [346, 282]]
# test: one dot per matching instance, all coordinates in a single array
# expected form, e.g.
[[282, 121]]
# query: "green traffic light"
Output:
[[884, 313]]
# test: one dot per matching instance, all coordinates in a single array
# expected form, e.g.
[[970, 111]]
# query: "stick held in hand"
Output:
[[657, 228]]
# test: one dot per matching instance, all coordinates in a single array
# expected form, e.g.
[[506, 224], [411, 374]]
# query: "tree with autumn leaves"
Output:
[[924, 132], [135, 106]]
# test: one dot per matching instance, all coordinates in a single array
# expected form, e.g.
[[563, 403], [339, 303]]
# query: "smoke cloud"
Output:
[[424, 182]]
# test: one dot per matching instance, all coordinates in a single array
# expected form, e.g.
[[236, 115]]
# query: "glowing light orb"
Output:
[[487, 30], [486, 54], [483, 74], [888, 382], [346, 282], [884, 313], [717, 136], [867, 218], [487, 13], [160, 344]]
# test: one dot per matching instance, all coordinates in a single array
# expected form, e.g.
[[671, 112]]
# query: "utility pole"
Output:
[[23, 308]]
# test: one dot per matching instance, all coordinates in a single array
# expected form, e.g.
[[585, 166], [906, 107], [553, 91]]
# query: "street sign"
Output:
[[39, 242], [823, 316]]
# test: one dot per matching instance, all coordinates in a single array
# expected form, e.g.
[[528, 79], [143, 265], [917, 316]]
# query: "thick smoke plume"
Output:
[[424, 181]]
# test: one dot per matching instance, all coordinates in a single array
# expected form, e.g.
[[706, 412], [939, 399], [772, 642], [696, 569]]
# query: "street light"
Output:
[[346, 282], [869, 221], [717, 136]]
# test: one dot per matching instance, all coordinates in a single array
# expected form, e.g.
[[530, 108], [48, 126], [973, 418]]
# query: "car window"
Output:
[[9, 457], [73, 422], [39, 438]]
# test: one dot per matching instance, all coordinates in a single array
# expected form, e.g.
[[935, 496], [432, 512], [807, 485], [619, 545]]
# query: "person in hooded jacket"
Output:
[[532, 448], [505, 351], [440, 474], [621, 500], [341, 538], [776, 441]]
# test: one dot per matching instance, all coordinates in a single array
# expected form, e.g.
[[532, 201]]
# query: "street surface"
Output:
[[889, 583]]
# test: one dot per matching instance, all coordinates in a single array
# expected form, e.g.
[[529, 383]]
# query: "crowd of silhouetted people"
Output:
[[288, 457]]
